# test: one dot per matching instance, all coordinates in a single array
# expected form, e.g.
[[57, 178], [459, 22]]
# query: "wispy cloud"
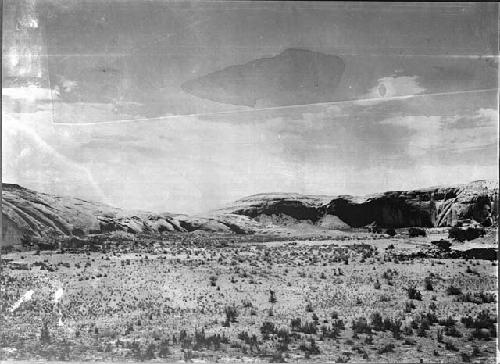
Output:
[[394, 86], [440, 133]]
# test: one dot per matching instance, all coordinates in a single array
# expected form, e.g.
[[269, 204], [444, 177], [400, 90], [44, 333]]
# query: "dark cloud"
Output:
[[295, 76], [140, 53]]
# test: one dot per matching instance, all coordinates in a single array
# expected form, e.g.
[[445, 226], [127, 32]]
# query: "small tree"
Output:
[[428, 284], [213, 281], [149, 353], [272, 297], [231, 314], [163, 349], [377, 322], [45, 334]]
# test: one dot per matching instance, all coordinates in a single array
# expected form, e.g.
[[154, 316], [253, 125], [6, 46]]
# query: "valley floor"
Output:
[[346, 300]]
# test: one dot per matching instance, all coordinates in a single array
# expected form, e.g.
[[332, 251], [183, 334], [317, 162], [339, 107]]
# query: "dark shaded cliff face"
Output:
[[297, 209], [422, 208], [387, 211], [394, 209], [481, 208]]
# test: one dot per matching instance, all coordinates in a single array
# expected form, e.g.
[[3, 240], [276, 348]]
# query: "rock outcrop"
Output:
[[299, 207], [27, 213], [431, 207]]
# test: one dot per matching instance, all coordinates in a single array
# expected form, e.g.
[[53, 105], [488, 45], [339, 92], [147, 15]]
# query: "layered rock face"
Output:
[[443, 206], [34, 212], [392, 209], [477, 201], [296, 206], [29, 213]]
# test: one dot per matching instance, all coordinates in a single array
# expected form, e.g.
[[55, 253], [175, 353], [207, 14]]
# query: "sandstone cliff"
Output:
[[440, 206], [30, 213]]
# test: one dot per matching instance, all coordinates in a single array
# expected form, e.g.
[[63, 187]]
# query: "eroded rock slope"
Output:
[[27, 213]]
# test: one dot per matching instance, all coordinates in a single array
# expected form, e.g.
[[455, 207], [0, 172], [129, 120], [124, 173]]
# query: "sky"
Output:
[[186, 106]]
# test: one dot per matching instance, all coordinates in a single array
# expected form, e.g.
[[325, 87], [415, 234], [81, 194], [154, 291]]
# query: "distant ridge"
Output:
[[29, 213], [11, 185], [427, 207]]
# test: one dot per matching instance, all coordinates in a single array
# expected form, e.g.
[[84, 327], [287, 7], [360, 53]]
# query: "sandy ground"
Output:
[[148, 296]]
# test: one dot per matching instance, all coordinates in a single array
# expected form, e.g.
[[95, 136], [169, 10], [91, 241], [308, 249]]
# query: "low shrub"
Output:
[[267, 329], [388, 348], [231, 313], [477, 297], [311, 349], [416, 232], [414, 294], [453, 291], [361, 326]]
